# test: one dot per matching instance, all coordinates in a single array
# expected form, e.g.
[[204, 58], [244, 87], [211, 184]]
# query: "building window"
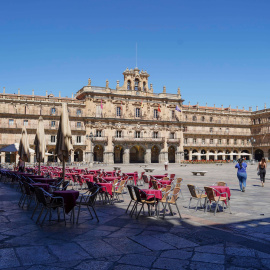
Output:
[[53, 138], [98, 133], [53, 124], [172, 135], [203, 141], [194, 118], [79, 124], [228, 141], [235, 141], [137, 134], [211, 141], [243, 142], [128, 85], [11, 122], [185, 129], [194, 141], [136, 88], [173, 114], [203, 118], [98, 111], [219, 141], [118, 111], [79, 112], [155, 134], [79, 139], [138, 112], [211, 130], [185, 141], [118, 134], [53, 111], [211, 119], [155, 113], [25, 122]]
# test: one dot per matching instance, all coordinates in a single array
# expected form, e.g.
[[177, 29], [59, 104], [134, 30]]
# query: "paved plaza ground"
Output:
[[199, 240]]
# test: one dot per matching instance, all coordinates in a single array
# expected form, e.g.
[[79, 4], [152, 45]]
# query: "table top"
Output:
[[156, 193]]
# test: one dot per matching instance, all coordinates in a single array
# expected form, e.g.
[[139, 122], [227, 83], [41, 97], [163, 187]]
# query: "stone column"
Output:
[[147, 157], [207, 155], [108, 157], [3, 157], [126, 156], [179, 156], [190, 155], [216, 154], [163, 156], [223, 157], [231, 156]]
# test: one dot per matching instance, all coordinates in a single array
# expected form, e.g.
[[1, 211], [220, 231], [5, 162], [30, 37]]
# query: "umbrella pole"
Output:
[[64, 169]]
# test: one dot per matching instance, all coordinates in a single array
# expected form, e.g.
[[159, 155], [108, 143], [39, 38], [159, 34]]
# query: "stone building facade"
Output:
[[132, 124]]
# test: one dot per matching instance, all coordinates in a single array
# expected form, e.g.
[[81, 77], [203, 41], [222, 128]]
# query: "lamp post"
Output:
[[252, 140], [90, 137]]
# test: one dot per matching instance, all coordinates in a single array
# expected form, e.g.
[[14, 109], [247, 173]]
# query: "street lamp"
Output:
[[90, 137], [252, 140]]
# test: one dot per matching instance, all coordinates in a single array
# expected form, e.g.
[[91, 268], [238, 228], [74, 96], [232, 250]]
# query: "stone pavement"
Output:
[[199, 241]]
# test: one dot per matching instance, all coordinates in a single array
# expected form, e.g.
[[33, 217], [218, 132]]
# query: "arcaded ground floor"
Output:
[[199, 240]]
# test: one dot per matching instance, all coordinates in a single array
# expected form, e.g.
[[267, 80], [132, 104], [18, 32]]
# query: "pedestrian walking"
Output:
[[241, 174], [262, 170]]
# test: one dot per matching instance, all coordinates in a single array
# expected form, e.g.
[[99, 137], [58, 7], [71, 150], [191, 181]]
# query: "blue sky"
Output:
[[215, 51]]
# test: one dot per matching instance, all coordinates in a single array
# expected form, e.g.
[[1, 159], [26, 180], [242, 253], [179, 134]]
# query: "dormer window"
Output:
[[136, 88]]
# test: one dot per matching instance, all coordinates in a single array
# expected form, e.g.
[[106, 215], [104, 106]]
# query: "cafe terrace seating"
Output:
[[196, 194], [215, 196]]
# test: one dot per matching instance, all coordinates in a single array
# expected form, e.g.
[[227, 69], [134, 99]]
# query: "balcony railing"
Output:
[[100, 139], [142, 139], [173, 140]]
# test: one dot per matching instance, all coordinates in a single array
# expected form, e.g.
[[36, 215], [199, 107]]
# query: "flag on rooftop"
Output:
[[177, 108], [141, 105], [159, 110], [121, 107], [101, 105]]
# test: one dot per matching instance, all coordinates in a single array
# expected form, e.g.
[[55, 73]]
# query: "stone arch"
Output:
[[52, 157], [247, 157], [98, 153], [259, 154], [211, 155], [186, 154], [78, 155], [195, 157], [203, 154], [118, 154], [136, 154], [155, 151], [171, 154], [235, 154]]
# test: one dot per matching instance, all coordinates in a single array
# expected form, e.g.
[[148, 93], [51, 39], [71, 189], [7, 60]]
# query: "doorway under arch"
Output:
[[78, 155], [136, 154], [186, 154], [171, 154], [118, 154], [259, 154], [155, 154], [98, 153]]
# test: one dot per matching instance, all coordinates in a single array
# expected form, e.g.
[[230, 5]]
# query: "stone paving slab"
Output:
[[200, 240]]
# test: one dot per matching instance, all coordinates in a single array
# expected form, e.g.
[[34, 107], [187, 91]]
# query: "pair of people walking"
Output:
[[242, 172]]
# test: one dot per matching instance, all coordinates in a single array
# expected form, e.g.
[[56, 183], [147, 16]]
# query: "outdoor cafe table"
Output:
[[159, 176], [70, 197], [45, 186], [161, 183], [72, 175], [45, 180], [222, 189], [89, 177], [156, 193], [135, 177], [106, 187], [110, 178], [94, 171], [112, 173]]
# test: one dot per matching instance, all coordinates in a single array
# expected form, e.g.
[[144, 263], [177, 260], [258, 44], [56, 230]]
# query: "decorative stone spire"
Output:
[[265, 105], [107, 84], [4, 90], [229, 107], [72, 96], [206, 105], [117, 84], [19, 91], [250, 109], [222, 106], [189, 104], [237, 108], [243, 108], [46, 93], [257, 108], [89, 82], [178, 92], [164, 89], [33, 92], [151, 87], [59, 93]]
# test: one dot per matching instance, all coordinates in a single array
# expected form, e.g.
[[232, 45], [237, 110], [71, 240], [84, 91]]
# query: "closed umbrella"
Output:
[[40, 143], [64, 138], [24, 151]]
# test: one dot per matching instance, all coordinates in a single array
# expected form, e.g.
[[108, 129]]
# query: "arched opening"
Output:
[[227, 156], [136, 85], [235, 153], [245, 155], [212, 155], [186, 154], [118, 154], [78, 155], [171, 154], [219, 155], [128, 85], [154, 154], [98, 153], [52, 157], [195, 154], [203, 155], [10, 157], [136, 154], [259, 154]]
